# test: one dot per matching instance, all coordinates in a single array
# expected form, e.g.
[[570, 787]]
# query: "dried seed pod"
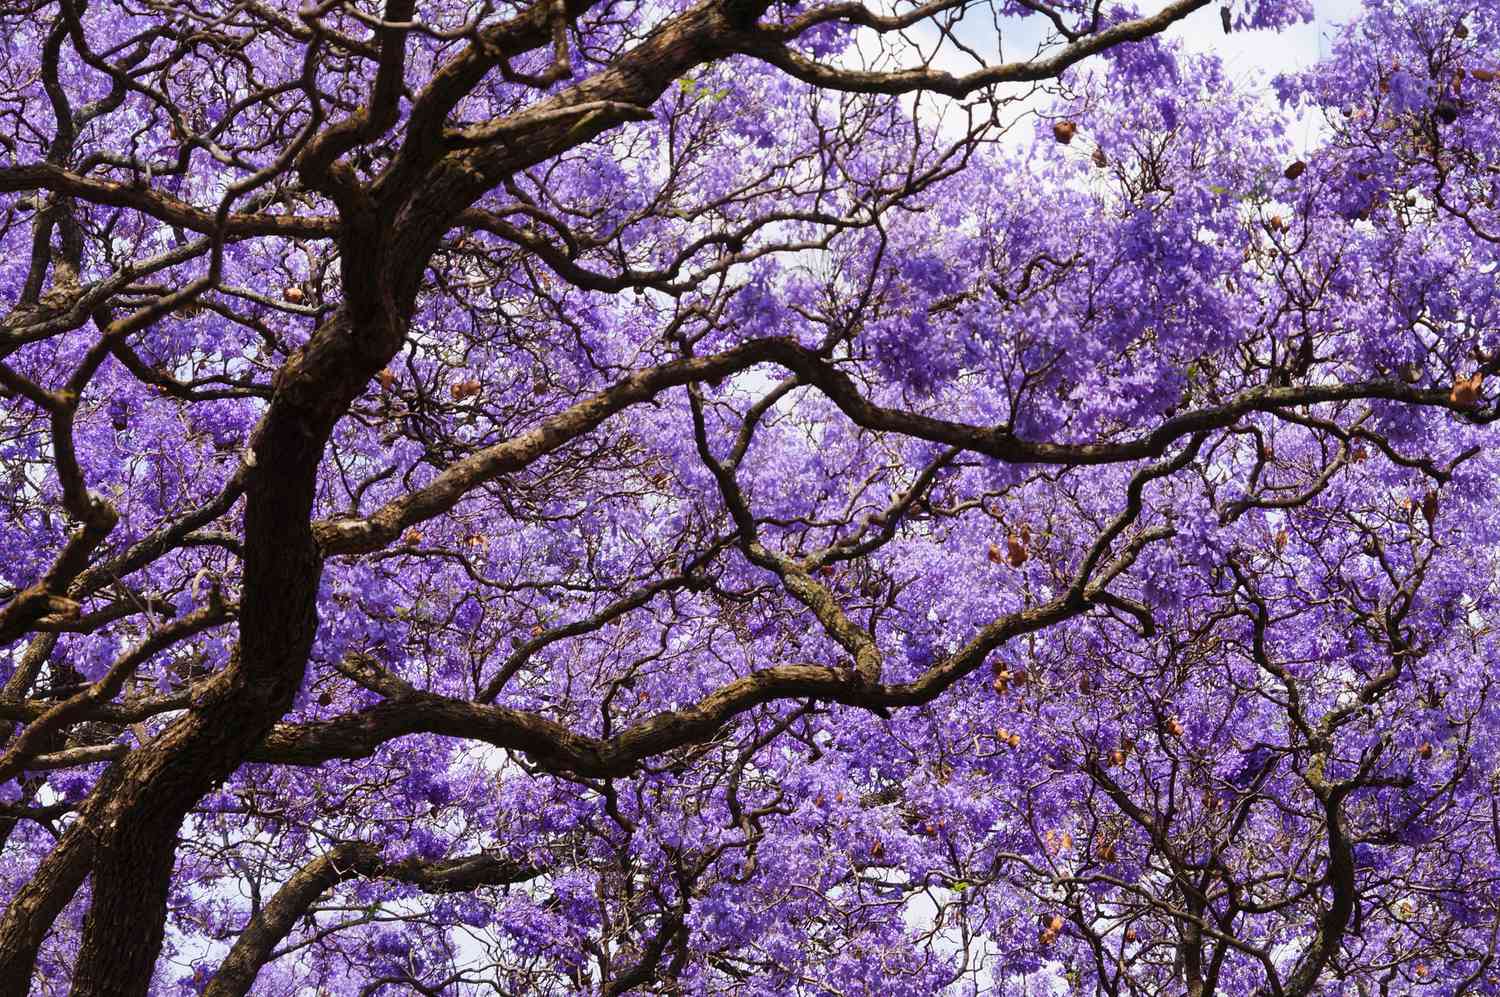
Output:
[[1099, 158], [1295, 170], [292, 293], [1064, 131], [1430, 507], [1015, 552], [1465, 393], [1051, 930]]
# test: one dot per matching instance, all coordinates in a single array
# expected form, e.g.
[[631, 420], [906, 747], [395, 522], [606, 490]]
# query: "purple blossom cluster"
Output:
[[747, 498]]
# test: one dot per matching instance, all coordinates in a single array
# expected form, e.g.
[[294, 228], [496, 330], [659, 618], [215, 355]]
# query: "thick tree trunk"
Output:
[[137, 828], [31, 912]]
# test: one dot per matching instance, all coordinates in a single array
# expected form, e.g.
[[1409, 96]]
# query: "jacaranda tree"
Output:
[[747, 496]]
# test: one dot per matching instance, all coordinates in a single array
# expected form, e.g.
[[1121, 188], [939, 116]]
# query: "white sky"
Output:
[[1270, 52]]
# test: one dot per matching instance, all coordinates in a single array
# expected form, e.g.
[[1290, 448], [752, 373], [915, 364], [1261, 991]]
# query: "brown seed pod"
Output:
[[1465, 393], [293, 294], [1099, 158], [1015, 551], [1174, 727], [1430, 507], [1064, 131], [996, 555], [1425, 750], [1295, 170]]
